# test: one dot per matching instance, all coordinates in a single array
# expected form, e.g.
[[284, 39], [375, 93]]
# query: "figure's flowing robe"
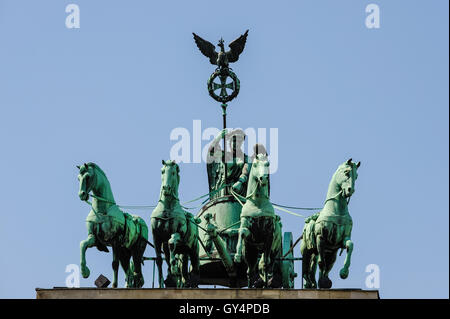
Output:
[[238, 168]]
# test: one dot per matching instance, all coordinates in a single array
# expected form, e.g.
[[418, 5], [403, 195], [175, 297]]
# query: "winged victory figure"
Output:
[[221, 58]]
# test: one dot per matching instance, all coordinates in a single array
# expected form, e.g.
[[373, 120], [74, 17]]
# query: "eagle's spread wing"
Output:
[[207, 48], [237, 46]]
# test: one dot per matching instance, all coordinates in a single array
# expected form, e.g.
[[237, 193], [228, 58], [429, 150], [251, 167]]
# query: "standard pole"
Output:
[[224, 116]]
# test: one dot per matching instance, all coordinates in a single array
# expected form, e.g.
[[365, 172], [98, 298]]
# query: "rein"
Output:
[[237, 196], [99, 215], [278, 207], [153, 206], [339, 193], [335, 197], [102, 199]]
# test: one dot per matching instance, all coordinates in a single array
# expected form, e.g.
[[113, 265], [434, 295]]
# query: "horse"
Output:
[[256, 232], [175, 232], [326, 232], [107, 225]]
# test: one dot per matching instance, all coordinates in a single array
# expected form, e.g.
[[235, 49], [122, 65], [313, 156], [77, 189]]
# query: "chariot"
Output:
[[216, 254]]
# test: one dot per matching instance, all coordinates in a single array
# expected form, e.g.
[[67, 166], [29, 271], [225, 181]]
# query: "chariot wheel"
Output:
[[287, 264]]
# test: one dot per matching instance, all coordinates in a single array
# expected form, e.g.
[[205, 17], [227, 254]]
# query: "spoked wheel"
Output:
[[228, 91], [287, 264]]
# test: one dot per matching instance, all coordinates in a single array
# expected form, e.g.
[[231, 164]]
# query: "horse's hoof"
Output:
[[275, 282], [259, 283], [170, 282], [193, 280], [307, 285], [343, 273], [325, 283], [138, 282], [85, 272]]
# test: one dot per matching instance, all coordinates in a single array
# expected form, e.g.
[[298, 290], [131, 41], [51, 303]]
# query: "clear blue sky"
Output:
[[112, 91]]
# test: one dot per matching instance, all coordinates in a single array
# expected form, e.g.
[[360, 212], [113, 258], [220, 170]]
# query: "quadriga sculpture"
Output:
[[256, 232], [175, 232], [108, 226], [326, 232]]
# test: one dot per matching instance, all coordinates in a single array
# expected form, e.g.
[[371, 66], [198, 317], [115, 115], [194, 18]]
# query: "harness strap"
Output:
[[102, 199]]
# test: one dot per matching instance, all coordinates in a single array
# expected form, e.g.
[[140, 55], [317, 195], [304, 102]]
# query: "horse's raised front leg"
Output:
[[349, 246], [84, 245]]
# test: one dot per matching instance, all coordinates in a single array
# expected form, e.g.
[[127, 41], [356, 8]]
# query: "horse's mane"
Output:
[[261, 157], [343, 166], [95, 166], [172, 163]]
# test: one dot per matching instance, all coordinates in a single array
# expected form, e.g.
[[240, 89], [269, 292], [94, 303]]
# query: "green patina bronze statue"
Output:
[[236, 230], [237, 164], [175, 232], [221, 58], [223, 71], [108, 226], [257, 229], [326, 232]]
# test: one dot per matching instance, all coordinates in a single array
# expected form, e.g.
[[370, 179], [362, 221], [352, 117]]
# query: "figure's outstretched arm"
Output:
[[217, 139]]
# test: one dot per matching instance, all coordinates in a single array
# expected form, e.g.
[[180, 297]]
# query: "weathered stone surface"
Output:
[[203, 293]]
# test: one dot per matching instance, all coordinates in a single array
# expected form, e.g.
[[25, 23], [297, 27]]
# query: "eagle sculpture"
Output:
[[221, 58]]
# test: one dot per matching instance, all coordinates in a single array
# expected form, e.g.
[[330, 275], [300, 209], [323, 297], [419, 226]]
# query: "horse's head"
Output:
[[87, 180], [260, 169], [346, 177], [170, 178]]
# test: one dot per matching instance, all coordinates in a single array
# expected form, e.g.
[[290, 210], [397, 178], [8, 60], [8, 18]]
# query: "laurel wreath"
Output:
[[212, 87]]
